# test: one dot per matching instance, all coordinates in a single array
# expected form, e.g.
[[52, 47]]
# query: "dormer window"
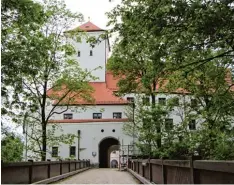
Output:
[[90, 53], [78, 54]]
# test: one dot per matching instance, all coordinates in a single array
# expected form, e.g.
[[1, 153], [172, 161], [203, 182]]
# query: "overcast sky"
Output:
[[95, 9]]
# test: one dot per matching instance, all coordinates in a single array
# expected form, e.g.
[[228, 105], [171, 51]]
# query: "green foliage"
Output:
[[11, 148], [182, 42], [43, 71]]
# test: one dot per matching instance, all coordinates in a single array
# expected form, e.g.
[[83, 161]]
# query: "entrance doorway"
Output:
[[105, 148]]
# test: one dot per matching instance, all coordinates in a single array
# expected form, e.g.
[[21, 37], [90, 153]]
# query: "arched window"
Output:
[[91, 53], [78, 54]]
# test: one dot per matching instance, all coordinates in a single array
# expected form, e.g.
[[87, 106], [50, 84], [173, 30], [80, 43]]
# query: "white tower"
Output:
[[92, 57]]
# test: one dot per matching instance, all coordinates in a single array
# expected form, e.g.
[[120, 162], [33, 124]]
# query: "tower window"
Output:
[[78, 54], [117, 115], [97, 115], [90, 53], [192, 125], [67, 116]]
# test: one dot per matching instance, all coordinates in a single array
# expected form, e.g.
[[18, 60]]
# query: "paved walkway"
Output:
[[101, 176]]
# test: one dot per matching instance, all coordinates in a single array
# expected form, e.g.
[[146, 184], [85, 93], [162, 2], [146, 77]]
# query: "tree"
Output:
[[157, 38], [52, 76], [12, 146], [211, 90], [20, 19], [137, 57]]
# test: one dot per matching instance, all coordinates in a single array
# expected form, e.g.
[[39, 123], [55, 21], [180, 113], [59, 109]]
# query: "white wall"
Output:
[[178, 113], [78, 113], [99, 57], [91, 136]]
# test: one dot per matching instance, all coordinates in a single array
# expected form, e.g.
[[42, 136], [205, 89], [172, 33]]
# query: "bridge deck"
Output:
[[101, 176]]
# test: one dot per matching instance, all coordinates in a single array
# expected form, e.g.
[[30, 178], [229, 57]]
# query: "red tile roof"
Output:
[[111, 81], [104, 92], [88, 120], [88, 27], [103, 95]]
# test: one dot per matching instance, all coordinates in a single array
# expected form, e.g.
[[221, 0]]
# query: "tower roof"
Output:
[[89, 27]]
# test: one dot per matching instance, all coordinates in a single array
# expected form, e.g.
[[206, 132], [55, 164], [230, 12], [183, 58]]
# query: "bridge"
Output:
[[146, 171], [101, 176]]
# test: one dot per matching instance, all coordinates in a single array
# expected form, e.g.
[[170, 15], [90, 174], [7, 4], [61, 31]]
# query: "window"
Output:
[[176, 101], [146, 100], [168, 124], [193, 103], [117, 115], [54, 151], [72, 151], [162, 101], [113, 130], [192, 125], [67, 116], [97, 115], [78, 54], [102, 130], [90, 53], [130, 99]]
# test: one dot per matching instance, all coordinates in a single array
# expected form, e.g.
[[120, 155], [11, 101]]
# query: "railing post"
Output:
[[48, 169], [83, 166], [30, 175], [164, 173], [61, 167], [150, 171], [69, 165], [75, 164], [138, 166], [193, 178]]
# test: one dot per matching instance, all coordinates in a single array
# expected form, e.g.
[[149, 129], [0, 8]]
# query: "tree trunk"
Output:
[[44, 121], [43, 153]]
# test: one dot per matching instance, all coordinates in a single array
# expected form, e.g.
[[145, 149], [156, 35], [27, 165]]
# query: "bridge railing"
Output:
[[30, 172], [191, 171]]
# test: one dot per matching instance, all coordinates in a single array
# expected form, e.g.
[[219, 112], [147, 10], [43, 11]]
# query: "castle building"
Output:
[[99, 126]]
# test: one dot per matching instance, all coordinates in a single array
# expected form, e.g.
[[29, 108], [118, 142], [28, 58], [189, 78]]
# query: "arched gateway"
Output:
[[106, 146]]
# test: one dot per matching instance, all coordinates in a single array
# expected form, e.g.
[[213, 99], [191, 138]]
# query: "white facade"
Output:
[[91, 135]]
